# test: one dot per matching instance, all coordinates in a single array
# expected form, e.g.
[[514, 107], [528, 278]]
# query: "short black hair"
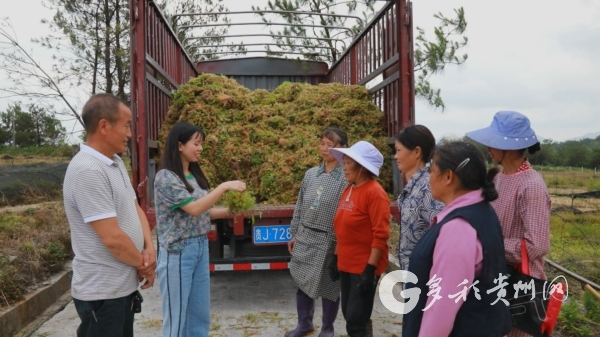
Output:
[[335, 134], [98, 107], [417, 135]]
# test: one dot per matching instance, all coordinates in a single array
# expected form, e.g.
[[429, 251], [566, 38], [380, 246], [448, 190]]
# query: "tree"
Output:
[[328, 45], [595, 157], [431, 57], [29, 78], [321, 44], [547, 156], [575, 153], [90, 40], [34, 126]]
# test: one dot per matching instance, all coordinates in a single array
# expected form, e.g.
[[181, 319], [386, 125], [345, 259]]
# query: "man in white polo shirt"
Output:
[[109, 231]]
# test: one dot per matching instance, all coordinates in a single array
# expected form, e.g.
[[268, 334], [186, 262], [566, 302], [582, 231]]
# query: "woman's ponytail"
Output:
[[489, 188]]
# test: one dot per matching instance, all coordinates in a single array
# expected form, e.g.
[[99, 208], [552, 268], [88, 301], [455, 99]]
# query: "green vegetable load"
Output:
[[270, 139]]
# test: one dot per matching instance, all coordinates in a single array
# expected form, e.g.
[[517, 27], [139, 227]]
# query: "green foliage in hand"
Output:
[[238, 202]]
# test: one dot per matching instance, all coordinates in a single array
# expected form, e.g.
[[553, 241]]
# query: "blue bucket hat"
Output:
[[510, 130], [363, 153]]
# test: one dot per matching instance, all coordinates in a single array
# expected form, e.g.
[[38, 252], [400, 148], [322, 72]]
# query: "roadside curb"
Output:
[[18, 316]]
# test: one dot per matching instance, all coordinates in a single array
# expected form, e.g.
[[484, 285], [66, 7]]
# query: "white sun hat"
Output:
[[363, 153]]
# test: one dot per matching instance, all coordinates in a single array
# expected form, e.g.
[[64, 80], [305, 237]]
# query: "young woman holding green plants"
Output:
[[184, 202]]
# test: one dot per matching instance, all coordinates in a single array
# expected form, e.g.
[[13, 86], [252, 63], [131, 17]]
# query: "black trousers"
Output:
[[356, 305], [104, 318]]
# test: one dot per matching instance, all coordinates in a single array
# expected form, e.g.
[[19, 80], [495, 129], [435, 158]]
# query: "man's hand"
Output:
[[149, 280], [148, 268], [148, 262]]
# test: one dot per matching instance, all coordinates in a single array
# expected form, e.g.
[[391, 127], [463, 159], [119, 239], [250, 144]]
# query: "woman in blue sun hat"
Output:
[[523, 204]]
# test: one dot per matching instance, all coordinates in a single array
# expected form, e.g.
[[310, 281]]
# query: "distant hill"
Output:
[[591, 135]]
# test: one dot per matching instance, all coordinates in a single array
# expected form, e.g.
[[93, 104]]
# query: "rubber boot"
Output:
[[330, 311], [306, 309]]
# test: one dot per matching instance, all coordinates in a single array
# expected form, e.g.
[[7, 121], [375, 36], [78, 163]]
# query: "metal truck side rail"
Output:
[[274, 11], [157, 58], [263, 35], [384, 50]]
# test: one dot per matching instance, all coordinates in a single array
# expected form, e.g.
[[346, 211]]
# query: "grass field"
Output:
[[575, 245]]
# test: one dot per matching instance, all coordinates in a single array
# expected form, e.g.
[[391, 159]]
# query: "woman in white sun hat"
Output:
[[523, 204], [361, 227]]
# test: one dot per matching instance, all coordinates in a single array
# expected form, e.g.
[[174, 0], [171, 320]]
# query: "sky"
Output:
[[538, 57]]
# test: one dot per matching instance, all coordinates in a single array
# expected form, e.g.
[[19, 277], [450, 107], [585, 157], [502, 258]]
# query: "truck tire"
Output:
[[248, 249]]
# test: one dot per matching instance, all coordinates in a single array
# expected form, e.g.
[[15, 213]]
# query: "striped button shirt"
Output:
[[95, 188]]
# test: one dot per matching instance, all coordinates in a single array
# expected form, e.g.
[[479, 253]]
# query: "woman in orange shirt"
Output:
[[361, 227]]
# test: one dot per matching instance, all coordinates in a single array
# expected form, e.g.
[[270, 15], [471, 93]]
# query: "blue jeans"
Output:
[[185, 289]]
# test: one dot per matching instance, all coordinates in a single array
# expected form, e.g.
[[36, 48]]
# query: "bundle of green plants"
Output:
[[238, 202], [270, 139]]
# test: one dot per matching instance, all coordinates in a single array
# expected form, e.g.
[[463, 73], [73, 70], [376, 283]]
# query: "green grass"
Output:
[[575, 243], [576, 179], [42, 151]]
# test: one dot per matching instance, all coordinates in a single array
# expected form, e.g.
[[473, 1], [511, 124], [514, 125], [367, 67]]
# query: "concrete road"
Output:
[[252, 303]]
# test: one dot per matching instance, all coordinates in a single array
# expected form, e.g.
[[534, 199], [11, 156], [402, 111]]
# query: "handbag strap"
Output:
[[524, 267]]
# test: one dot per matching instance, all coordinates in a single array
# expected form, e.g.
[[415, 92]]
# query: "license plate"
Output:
[[272, 234]]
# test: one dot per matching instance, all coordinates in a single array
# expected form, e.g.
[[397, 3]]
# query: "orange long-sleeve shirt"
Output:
[[362, 222]]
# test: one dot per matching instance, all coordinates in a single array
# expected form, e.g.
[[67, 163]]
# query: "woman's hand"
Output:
[[234, 185], [334, 272], [291, 245], [367, 279]]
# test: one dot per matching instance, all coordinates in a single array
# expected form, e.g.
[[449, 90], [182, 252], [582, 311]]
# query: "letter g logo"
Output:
[[387, 297]]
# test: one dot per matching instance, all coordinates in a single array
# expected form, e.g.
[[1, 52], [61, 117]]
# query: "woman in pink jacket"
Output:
[[459, 259]]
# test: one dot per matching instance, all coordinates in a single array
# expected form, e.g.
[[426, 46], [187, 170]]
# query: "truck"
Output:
[[380, 57]]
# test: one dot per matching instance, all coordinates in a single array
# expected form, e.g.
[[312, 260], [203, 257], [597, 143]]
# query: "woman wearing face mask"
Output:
[[523, 205], [414, 146], [313, 239], [362, 229]]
